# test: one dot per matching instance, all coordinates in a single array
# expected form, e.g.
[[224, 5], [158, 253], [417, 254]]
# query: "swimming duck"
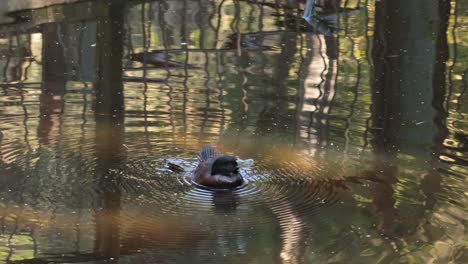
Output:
[[216, 170]]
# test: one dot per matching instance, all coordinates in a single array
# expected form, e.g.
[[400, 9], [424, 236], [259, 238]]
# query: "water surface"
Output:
[[354, 117]]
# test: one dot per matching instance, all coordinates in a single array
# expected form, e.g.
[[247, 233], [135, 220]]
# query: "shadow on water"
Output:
[[352, 111]]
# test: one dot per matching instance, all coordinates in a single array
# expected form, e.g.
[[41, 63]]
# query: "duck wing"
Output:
[[206, 158], [208, 153]]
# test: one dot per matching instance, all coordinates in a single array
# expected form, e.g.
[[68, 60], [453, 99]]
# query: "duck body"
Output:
[[216, 170]]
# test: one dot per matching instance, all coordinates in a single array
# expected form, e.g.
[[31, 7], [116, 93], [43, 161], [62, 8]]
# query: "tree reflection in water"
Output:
[[315, 91]]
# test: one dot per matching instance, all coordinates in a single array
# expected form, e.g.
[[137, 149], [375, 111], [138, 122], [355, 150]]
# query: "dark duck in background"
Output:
[[159, 60], [216, 170]]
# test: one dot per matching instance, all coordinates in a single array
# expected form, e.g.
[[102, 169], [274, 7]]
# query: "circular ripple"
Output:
[[288, 197]]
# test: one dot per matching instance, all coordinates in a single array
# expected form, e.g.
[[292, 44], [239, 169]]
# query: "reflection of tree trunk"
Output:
[[401, 95], [109, 49], [275, 112], [431, 184], [386, 82], [385, 107], [53, 83], [110, 152]]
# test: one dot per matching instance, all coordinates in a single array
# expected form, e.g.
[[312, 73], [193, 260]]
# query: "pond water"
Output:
[[354, 113]]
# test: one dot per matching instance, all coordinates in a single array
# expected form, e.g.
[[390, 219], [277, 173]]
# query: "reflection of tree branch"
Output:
[[323, 79], [5, 68], [82, 134], [462, 93], [207, 94], [455, 56], [206, 68], [369, 61], [218, 26], [304, 63], [186, 52], [16, 215], [165, 44], [11, 246], [129, 42], [291, 231], [355, 87], [26, 117], [24, 75], [146, 44], [220, 74], [235, 26], [330, 87]]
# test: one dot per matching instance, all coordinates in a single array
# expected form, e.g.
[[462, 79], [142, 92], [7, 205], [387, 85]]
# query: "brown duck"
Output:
[[216, 170]]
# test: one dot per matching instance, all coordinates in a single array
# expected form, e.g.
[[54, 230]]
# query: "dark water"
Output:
[[356, 118]]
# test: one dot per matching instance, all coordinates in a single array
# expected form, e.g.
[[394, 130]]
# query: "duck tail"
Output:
[[206, 153]]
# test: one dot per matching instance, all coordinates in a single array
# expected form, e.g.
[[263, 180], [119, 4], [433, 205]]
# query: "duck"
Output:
[[159, 60], [217, 171]]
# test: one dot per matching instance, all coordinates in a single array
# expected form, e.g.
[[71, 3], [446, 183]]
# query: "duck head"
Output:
[[225, 165]]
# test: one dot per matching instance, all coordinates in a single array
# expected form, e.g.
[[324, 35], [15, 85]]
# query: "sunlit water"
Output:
[[355, 122]]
